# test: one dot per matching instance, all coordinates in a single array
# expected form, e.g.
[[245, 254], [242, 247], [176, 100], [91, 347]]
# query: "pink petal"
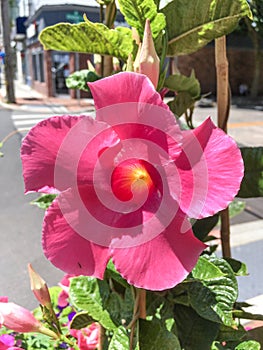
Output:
[[60, 149], [163, 262], [67, 250], [210, 168], [125, 87], [39, 151]]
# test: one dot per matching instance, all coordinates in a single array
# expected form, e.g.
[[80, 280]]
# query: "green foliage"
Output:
[[252, 183], [202, 227], [88, 37], [205, 270], [214, 298], [153, 335], [181, 83], [80, 79], [194, 332], [44, 201], [120, 339], [81, 320], [137, 11], [248, 345], [89, 294], [193, 24]]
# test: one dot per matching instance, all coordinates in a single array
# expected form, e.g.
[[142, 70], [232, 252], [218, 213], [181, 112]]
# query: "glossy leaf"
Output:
[[252, 183], [89, 294], [180, 83], [213, 299], [81, 320], [239, 268], [194, 23], [181, 102], [88, 37], [120, 339], [230, 333], [194, 332], [80, 79], [202, 227], [236, 207], [137, 11], [248, 345], [153, 335], [205, 270]]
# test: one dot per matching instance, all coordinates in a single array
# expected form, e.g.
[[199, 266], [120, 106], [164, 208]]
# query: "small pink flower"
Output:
[[128, 181], [64, 294], [88, 338]]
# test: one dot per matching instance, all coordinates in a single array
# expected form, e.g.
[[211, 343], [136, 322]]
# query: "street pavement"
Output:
[[20, 230]]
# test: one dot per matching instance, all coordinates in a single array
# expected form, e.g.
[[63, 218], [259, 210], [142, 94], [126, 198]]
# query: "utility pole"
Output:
[[9, 65]]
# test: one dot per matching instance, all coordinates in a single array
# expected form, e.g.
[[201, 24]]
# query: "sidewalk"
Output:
[[27, 99]]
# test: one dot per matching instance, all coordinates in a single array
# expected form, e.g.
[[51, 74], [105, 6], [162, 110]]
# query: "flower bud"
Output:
[[136, 63], [39, 287], [17, 318], [21, 320], [149, 61]]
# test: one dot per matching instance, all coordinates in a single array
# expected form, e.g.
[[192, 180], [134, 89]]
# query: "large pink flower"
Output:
[[128, 181]]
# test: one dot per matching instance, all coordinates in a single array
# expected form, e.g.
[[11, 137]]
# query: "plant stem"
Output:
[[101, 337], [223, 105], [69, 342]]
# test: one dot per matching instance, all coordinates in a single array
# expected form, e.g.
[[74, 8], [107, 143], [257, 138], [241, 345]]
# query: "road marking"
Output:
[[244, 124]]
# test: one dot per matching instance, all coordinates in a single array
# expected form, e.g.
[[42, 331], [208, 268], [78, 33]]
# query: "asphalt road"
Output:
[[20, 226]]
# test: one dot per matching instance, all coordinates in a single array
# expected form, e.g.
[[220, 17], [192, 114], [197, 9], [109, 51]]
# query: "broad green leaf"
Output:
[[252, 183], [248, 345], [194, 23], [137, 11], [120, 339], [206, 270], [120, 307], [230, 333], [44, 201], [153, 335], [239, 268], [80, 79], [213, 299], [180, 83], [88, 37], [89, 294], [194, 332], [181, 103], [111, 272], [202, 227], [81, 320]]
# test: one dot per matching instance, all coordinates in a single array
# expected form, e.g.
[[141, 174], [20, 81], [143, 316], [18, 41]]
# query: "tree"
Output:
[[255, 31], [9, 66]]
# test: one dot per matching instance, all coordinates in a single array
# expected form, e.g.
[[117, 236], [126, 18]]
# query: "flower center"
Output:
[[131, 178]]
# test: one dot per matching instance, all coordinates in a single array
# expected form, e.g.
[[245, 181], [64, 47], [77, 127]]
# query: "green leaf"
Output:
[[205, 270], [44, 201], [239, 268], [89, 294], [81, 320], [202, 227], [79, 80], [111, 272], [120, 339], [180, 83], [252, 183], [137, 11], [153, 335], [194, 332], [120, 307], [236, 207], [230, 334], [194, 23], [214, 298], [247, 315], [88, 37], [181, 103], [248, 345]]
